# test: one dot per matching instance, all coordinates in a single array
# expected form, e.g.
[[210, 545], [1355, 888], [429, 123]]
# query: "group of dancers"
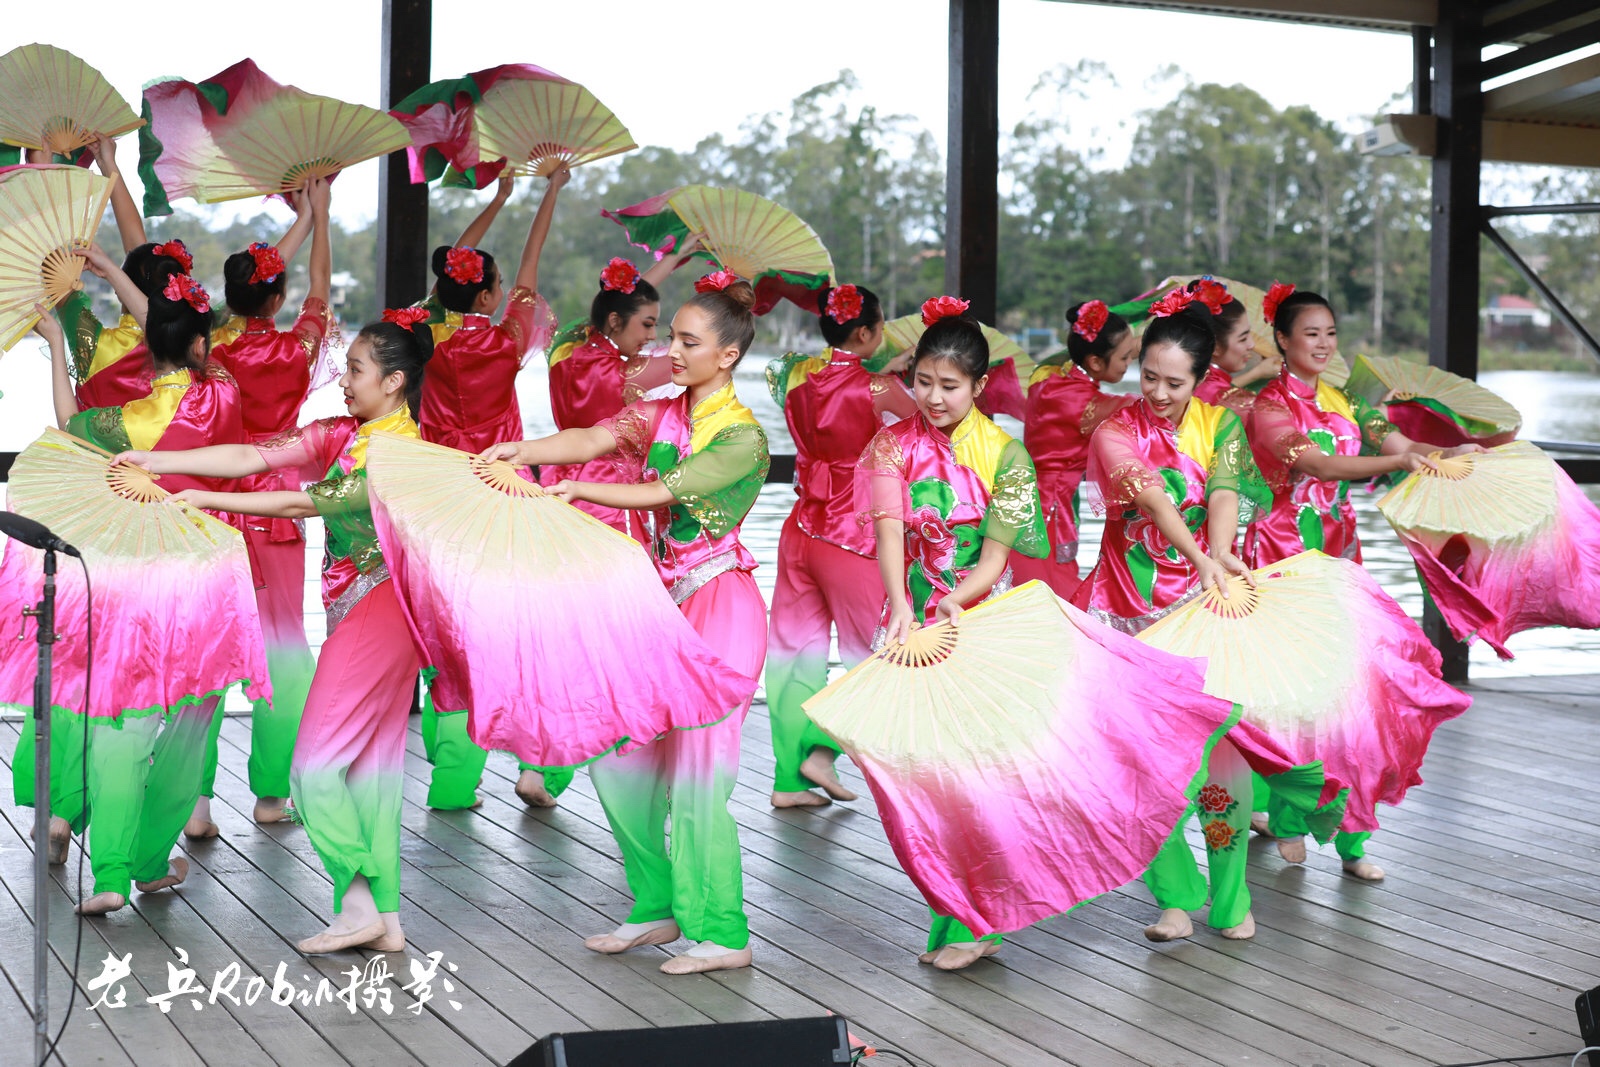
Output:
[[912, 507]]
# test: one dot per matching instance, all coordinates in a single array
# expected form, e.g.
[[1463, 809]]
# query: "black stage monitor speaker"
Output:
[[1589, 1022], [821, 1042]]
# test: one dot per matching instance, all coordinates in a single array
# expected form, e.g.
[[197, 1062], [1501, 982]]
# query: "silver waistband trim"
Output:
[[1139, 623], [701, 573], [881, 634], [364, 584]]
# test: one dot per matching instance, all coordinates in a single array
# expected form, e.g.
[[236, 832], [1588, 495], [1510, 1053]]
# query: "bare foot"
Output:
[[707, 956], [531, 790], [337, 938], [960, 955], [1243, 932], [270, 809], [101, 904], [818, 767], [804, 798], [1367, 872], [1292, 849], [1260, 826], [634, 935], [60, 838], [1174, 925], [177, 871]]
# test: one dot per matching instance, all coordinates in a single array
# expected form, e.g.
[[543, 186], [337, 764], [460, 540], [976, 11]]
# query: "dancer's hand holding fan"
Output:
[[45, 213], [1327, 665], [240, 134], [1504, 541], [1026, 760], [54, 101], [753, 237], [551, 627], [174, 606]]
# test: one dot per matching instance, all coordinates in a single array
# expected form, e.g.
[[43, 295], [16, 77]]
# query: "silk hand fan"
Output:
[[51, 99], [174, 604], [1328, 666], [1504, 541], [1433, 405], [45, 212], [751, 236], [552, 629], [1026, 760], [242, 134]]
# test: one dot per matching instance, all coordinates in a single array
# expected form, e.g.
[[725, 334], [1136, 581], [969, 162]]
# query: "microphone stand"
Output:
[[45, 614]]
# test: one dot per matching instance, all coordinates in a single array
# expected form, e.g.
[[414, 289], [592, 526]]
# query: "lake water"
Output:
[[1556, 406]]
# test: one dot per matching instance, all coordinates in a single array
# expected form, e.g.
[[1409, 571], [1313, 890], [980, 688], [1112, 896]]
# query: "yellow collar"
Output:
[[978, 445], [397, 421], [714, 414]]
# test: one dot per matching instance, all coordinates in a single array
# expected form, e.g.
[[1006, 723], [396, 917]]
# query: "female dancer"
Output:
[[1226, 379], [144, 777], [470, 402], [1310, 441], [596, 370], [697, 463], [827, 574], [1065, 404], [951, 498], [346, 773], [1175, 478], [274, 370]]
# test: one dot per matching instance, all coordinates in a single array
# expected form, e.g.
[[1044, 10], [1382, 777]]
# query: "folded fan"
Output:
[[51, 99], [1326, 664], [45, 212], [1011, 785], [242, 134], [1504, 541], [1433, 405], [755, 238], [174, 605], [552, 629]]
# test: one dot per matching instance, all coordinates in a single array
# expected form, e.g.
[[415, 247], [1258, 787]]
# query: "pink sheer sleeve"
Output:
[[529, 322], [1118, 468], [1276, 440], [890, 400], [645, 372], [634, 427], [316, 329], [882, 491], [310, 449]]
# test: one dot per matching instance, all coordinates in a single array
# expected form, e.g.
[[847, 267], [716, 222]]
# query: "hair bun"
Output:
[[437, 263], [422, 334], [238, 268], [741, 293]]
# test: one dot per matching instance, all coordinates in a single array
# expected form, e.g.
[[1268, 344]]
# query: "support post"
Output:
[[402, 206], [1453, 280], [972, 193]]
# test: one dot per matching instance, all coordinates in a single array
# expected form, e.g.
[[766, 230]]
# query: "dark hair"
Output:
[[397, 348], [1191, 330], [243, 296], [624, 305], [1110, 336], [1290, 310], [837, 333], [458, 296], [729, 311], [1226, 320], [171, 326], [148, 270], [959, 340]]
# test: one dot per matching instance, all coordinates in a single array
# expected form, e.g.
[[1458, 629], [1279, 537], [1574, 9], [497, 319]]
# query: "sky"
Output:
[[675, 74]]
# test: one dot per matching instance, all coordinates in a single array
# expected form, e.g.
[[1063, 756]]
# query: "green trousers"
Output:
[[458, 763], [144, 778], [68, 784], [1286, 821], [1222, 805], [943, 930]]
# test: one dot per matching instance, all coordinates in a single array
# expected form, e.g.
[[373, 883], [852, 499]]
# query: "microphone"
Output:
[[37, 534]]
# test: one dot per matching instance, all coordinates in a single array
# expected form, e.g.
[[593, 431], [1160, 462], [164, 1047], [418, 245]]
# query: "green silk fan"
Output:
[[1479, 412]]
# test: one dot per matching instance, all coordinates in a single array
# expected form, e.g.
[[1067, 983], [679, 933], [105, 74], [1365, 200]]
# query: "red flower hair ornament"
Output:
[[269, 264], [1212, 293], [943, 307], [1275, 296], [844, 304], [182, 287], [178, 251], [1091, 320], [715, 282], [620, 276], [405, 317], [1172, 303], [464, 265]]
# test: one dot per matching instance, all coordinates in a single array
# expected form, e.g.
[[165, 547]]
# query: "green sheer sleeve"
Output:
[[778, 372], [342, 504], [1015, 517], [1374, 424], [1233, 466], [718, 484], [101, 426], [76, 315]]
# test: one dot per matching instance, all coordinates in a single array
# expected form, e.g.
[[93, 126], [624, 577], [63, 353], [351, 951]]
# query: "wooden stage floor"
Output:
[[1473, 948]]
